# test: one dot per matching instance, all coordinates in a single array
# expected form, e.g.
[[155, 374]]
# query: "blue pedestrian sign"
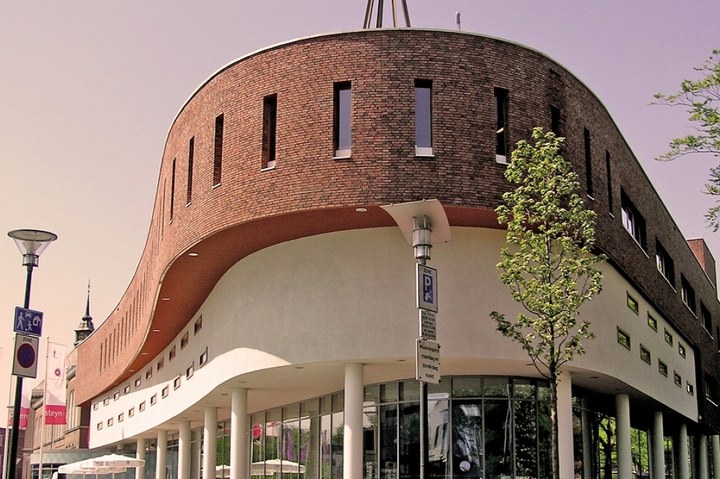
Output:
[[27, 321]]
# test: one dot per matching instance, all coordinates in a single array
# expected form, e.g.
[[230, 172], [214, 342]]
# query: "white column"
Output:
[[716, 456], [238, 435], [565, 427], [683, 456], [586, 441], [140, 454], [624, 443], [184, 445], [703, 472], [658, 447], [353, 424], [209, 442], [161, 461]]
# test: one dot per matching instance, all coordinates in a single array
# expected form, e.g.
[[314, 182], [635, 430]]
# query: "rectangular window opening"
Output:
[[555, 121], [423, 118], [342, 132], [172, 191], [501, 125], [664, 263], [269, 131], [645, 354], [652, 322], [218, 151], [687, 293], [623, 338], [588, 162], [191, 160], [662, 368], [633, 304], [609, 182], [633, 221], [706, 319]]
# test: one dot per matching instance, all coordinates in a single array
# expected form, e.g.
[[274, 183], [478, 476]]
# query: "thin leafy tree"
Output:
[[548, 263], [701, 98]]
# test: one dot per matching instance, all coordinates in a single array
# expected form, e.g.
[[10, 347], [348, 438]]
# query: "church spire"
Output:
[[86, 324]]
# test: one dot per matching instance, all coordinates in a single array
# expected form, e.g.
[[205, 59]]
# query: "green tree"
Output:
[[701, 98], [548, 264]]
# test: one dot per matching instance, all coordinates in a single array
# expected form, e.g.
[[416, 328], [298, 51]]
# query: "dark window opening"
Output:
[[501, 125], [269, 131], [555, 121], [172, 190], [217, 160], [664, 263], [342, 133], [633, 221], [687, 293], [191, 160], [423, 118], [588, 161], [609, 182], [706, 318]]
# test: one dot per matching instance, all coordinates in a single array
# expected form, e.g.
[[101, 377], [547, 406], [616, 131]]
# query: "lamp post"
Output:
[[31, 244]]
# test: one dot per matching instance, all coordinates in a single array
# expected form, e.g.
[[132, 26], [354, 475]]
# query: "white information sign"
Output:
[[427, 363], [427, 324]]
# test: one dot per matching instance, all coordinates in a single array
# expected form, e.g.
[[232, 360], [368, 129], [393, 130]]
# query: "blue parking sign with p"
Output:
[[427, 288]]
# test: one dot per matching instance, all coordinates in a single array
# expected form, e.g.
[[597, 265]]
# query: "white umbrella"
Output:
[[114, 460]]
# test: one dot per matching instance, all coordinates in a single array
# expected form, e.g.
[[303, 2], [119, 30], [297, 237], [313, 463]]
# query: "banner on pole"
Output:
[[24, 411], [55, 385]]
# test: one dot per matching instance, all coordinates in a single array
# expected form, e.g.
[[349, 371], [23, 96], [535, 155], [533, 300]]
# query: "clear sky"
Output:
[[88, 90]]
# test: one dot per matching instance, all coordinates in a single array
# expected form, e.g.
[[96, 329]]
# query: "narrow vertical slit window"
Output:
[[342, 133], [555, 120], [269, 131], [588, 162], [609, 181], [423, 118], [217, 157], [501, 125], [172, 190], [191, 160]]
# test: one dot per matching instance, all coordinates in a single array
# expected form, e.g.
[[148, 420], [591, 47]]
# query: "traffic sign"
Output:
[[25, 359], [426, 282], [427, 361], [27, 321]]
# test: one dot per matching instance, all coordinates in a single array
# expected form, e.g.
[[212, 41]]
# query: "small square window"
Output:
[[690, 389], [153, 399], [190, 371], [652, 322], [165, 391], [184, 340], [148, 374], [131, 412], [142, 406], [127, 389], [203, 357], [99, 426], [662, 367], [160, 364], [645, 354], [96, 406], [171, 356], [106, 401], [176, 382], [121, 417], [198, 325], [681, 350], [116, 396], [137, 382], [677, 379], [633, 304], [110, 422], [669, 337], [623, 338]]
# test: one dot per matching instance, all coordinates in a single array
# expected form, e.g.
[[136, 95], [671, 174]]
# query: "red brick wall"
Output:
[[309, 192]]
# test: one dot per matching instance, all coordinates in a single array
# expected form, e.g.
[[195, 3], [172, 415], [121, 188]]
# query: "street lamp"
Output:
[[31, 244]]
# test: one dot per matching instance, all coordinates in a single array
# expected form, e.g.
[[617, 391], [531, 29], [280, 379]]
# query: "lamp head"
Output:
[[31, 244]]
